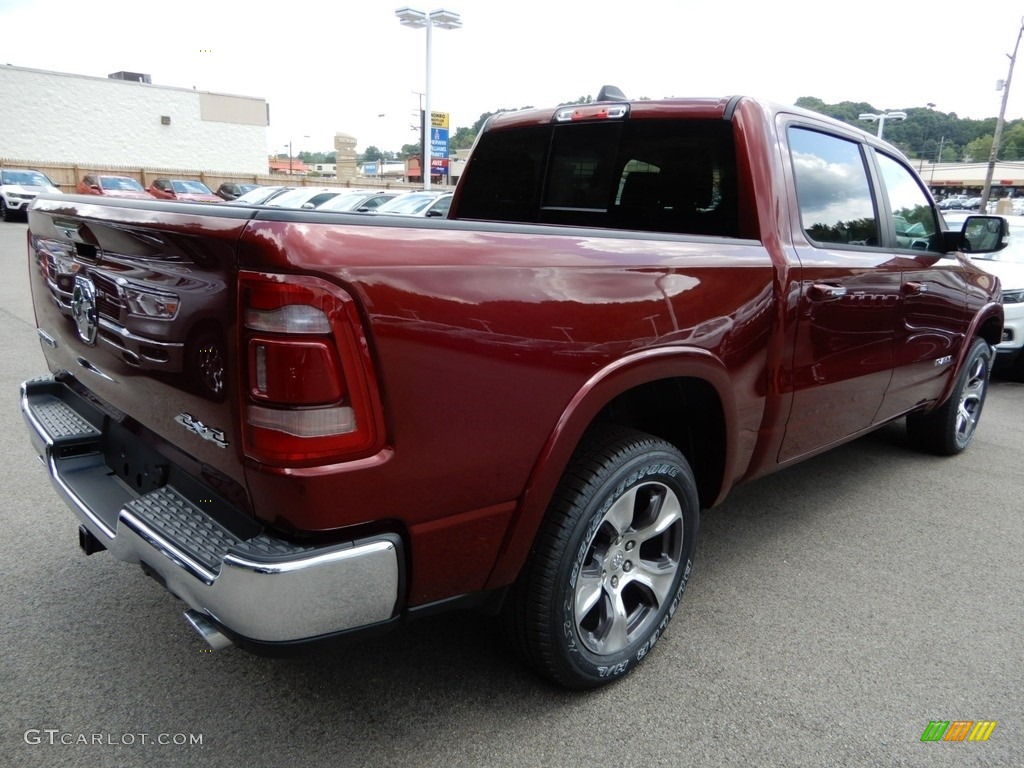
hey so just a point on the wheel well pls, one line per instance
(991, 331)
(685, 412)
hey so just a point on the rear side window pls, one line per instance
(832, 189)
(653, 175)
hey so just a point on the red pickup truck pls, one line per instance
(311, 425)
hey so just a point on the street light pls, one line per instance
(410, 17)
(880, 119)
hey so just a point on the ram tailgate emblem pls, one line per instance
(194, 425)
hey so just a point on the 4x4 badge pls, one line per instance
(194, 425)
(83, 309)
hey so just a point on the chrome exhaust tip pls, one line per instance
(207, 630)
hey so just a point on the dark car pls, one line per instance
(954, 203)
(231, 190)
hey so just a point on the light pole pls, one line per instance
(990, 172)
(880, 119)
(290, 155)
(410, 17)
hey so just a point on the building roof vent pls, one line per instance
(135, 77)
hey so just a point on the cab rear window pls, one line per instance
(654, 175)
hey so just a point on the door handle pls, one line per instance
(825, 292)
(914, 288)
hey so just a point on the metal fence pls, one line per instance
(67, 175)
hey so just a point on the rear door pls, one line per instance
(847, 295)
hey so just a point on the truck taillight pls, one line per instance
(310, 394)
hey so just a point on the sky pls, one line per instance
(351, 67)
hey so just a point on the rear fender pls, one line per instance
(617, 378)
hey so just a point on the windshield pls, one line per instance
(296, 197)
(189, 187)
(259, 195)
(346, 202)
(409, 204)
(25, 178)
(122, 183)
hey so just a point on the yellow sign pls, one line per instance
(438, 119)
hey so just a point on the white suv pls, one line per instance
(1008, 266)
(18, 188)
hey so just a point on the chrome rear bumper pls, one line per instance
(255, 586)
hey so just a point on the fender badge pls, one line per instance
(192, 424)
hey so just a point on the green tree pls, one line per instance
(979, 150)
(463, 138)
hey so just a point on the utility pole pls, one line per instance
(990, 172)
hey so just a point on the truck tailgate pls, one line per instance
(141, 315)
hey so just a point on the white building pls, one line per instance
(54, 117)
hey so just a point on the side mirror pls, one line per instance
(984, 234)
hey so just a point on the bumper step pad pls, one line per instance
(166, 512)
(61, 423)
(178, 520)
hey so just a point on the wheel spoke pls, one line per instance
(617, 635)
(668, 512)
(588, 593)
(657, 577)
(620, 514)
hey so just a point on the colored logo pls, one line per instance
(958, 730)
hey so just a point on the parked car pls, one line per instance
(231, 190)
(1008, 266)
(361, 201)
(952, 203)
(18, 188)
(260, 195)
(428, 203)
(305, 197)
(187, 190)
(112, 186)
(972, 203)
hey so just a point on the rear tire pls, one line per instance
(948, 429)
(610, 562)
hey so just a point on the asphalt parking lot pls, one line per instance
(835, 610)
